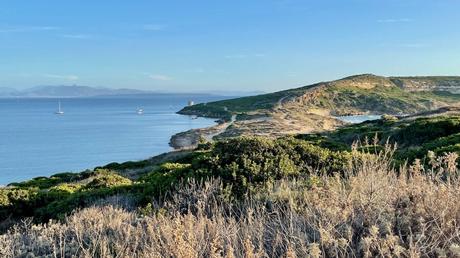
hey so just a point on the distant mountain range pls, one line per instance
(77, 91)
(67, 91)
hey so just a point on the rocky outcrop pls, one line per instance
(364, 81)
(449, 84)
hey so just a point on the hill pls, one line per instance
(314, 108)
(351, 95)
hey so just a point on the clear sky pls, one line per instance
(244, 45)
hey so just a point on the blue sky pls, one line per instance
(244, 45)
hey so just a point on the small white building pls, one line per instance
(191, 103)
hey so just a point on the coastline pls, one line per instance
(191, 138)
(274, 124)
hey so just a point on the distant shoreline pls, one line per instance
(113, 96)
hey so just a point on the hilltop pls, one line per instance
(314, 108)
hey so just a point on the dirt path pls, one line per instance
(280, 102)
(209, 137)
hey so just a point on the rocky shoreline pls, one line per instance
(191, 138)
(276, 124)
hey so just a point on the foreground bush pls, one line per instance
(372, 211)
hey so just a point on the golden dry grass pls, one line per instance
(374, 211)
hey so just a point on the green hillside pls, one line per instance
(355, 94)
(225, 108)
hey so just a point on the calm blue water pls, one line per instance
(358, 118)
(92, 132)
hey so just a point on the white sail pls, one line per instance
(59, 112)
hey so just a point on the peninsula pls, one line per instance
(315, 108)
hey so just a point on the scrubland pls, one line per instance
(370, 209)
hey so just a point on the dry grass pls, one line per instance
(373, 211)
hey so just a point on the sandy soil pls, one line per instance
(283, 120)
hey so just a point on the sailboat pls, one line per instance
(59, 111)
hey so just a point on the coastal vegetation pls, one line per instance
(415, 136)
(347, 192)
(371, 210)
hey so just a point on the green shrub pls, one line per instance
(125, 165)
(106, 179)
(4, 199)
(16, 202)
(66, 188)
(423, 130)
(389, 118)
(47, 182)
(248, 162)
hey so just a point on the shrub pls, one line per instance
(17, 202)
(389, 118)
(427, 129)
(125, 165)
(248, 162)
(47, 182)
(66, 188)
(106, 179)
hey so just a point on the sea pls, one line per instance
(34, 141)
